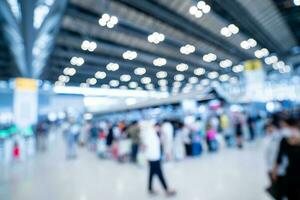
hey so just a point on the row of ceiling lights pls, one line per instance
(187, 49)
(111, 21)
(162, 82)
(230, 30)
(192, 82)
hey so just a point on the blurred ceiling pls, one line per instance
(213, 36)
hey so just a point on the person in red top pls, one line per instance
(16, 151)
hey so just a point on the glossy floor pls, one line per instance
(228, 175)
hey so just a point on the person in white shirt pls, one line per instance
(151, 143)
(167, 137)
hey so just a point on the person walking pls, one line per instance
(151, 143)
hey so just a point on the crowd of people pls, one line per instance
(153, 141)
(283, 155)
(179, 138)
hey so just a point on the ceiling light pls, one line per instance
(261, 53)
(100, 75)
(129, 55)
(114, 20)
(78, 61)
(133, 84)
(238, 68)
(205, 82)
(156, 38)
(193, 10)
(279, 65)
(108, 21)
(179, 77)
(161, 74)
(149, 87)
(225, 63)
(63, 78)
(159, 62)
(252, 42)
(200, 9)
(201, 4)
(287, 69)
(125, 77)
(199, 71)
(210, 57)
(88, 46)
(112, 66)
(69, 71)
(226, 32)
(247, 44)
(213, 75)
(186, 89)
(206, 9)
(193, 80)
(114, 83)
(146, 80)
(140, 71)
(187, 49)
(271, 60)
(182, 67)
(231, 29)
(297, 2)
(163, 82)
(91, 81)
(176, 84)
(224, 77)
(198, 14)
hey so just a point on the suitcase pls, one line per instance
(196, 149)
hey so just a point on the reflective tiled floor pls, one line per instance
(228, 175)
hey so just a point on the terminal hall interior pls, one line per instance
(150, 99)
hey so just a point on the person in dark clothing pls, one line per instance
(290, 147)
(134, 133)
(94, 132)
(155, 169)
(110, 137)
(239, 134)
(251, 122)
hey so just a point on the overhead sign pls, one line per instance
(255, 80)
(252, 65)
(25, 102)
(25, 84)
